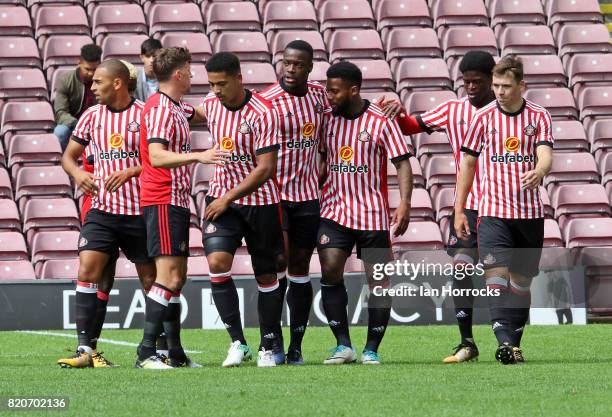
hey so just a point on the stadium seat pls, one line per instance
(428, 145)
(552, 234)
(242, 265)
(294, 15)
(349, 44)
(444, 203)
(337, 14)
(19, 51)
(257, 76)
(195, 242)
(589, 70)
(23, 83)
(197, 266)
(549, 211)
(416, 73)
(440, 170)
(421, 207)
(6, 189)
(15, 21)
(374, 97)
(57, 74)
(198, 44)
(42, 181)
(525, 40)
(175, 17)
(580, 39)
(457, 41)
(194, 219)
(278, 42)
(417, 174)
(47, 245)
(12, 247)
(34, 149)
(588, 232)
(595, 103)
(376, 75)
(600, 136)
(122, 46)
(572, 167)
(125, 18)
(59, 269)
(422, 101)
(9, 216)
(199, 79)
(392, 14)
(200, 177)
(319, 71)
(543, 71)
(125, 268)
(562, 12)
(570, 136)
(605, 168)
(45, 213)
(16, 270)
(458, 13)
(558, 101)
(419, 236)
(201, 141)
(59, 20)
(248, 46)
(28, 115)
(62, 50)
(238, 15)
(521, 12)
(596, 260)
(407, 42)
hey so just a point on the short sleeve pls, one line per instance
(82, 131)
(266, 130)
(435, 119)
(474, 138)
(160, 128)
(188, 110)
(544, 133)
(393, 142)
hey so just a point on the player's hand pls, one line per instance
(462, 226)
(401, 219)
(391, 107)
(214, 156)
(116, 180)
(530, 180)
(86, 182)
(216, 208)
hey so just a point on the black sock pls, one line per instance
(85, 306)
(162, 342)
(269, 309)
(520, 302)
(464, 308)
(379, 311)
(299, 299)
(335, 301)
(282, 287)
(98, 319)
(172, 327)
(225, 296)
(498, 310)
(156, 306)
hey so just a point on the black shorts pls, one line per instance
(334, 235)
(106, 232)
(513, 243)
(260, 226)
(454, 242)
(301, 222)
(167, 230)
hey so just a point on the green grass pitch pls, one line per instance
(568, 373)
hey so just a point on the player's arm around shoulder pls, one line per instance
(161, 157)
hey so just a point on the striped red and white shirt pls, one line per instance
(454, 117)
(167, 122)
(507, 146)
(300, 124)
(112, 137)
(247, 131)
(355, 190)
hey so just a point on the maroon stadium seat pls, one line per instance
(595, 102)
(278, 42)
(572, 167)
(19, 51)
(56, 213)
(185, 17)
(417, 174)
(600, 135)
(374, 96)
(197, 266)
(457, 41)
(242, 265)
(9, 216)
(42, 181)
(420, 236)
(562, 12)
(552, 234)
(125, 268)
(421, 207)
(392, 14)
(59, 269)
(19, 83)
(440, 170)
(201, 141)
(201, 176)
(319, 70)
(336, 14)
(589, 70)
(60, 20)
(57, 74)
(549, 211)
(436, 143)
(376, 75)
(12, 247)
(543, 71)
(28, 115)
(35, 148)
(47, 245)
(409, 42)
(584, 38)
(248, 46)
(458, 12)
(521, 12)
(605, 167)
(415, 73)
(294, 15)
(194, 219)
(15, 21)
(558, 101)
(570, 136)
(195, 242)
(527, 40)
(122, 46)
(6, 189)
(423, 101)
(63, 50)
(10, 270)
(257, 75)
(588, 232)
(126, 18)
(444, 203)
(236, 15)
(581, 199)
(198, 44)
(199, 79)
(349, 44)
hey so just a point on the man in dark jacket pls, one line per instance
(73, 93)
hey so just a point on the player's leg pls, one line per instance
(334, 246)
(464, 252)
(302, 239)
(264, 239)
(221, 239)
(104, 288)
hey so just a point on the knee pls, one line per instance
(265, 279)
(217, 264)
(331, 273)
(281, 263)
(89, 273)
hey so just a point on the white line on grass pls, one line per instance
(103, 340)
